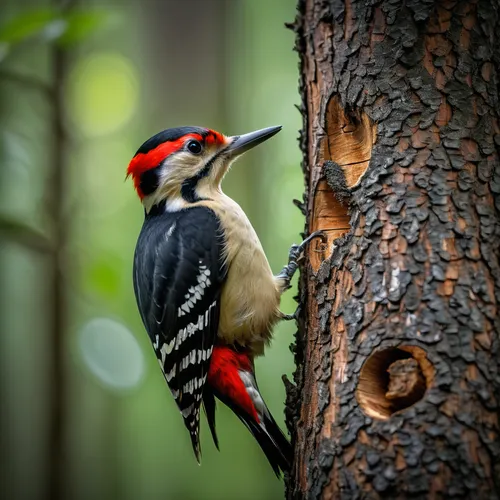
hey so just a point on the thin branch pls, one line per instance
(28, 81)
(25, 235)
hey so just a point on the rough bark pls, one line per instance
(397, 381)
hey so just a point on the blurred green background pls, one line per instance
(131, 69)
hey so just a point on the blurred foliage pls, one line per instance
(102, 93)
(226, 64)
(26, 25)
(51, 24)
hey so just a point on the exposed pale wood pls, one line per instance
(331, 217)
(349, 141)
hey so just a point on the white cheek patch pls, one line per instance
(174, 170)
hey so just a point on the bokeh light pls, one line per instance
(102, 93)
(111, 353)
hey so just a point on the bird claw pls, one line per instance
(295, 255)
(317, 234)
(296, 252)
(290, 317)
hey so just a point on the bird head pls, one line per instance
(187, 164)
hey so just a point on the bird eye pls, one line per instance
(194, 147)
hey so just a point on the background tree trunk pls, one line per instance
(397, 385)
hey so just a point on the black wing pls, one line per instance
(178, 274)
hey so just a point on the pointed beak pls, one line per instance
(242, 143)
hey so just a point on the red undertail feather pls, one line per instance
(224, 376)
(231, 378)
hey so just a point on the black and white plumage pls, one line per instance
(178, 274)
(204, 287)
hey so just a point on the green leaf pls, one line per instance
(65, 27)
(81, 24)
(26, 25)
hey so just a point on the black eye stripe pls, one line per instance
(150, 180)
(188, 188)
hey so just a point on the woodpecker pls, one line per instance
(204, 288)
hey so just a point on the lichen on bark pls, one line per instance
(403, 97)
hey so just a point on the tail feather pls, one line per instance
(281, 443)
(231, 379)
(267, 433)
(193, 426)
(195, 441)
(209, 405)
(273, 442)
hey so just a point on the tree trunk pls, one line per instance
(398, 380)
(57, 314)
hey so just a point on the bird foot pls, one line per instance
(295, 255)
(290, 317)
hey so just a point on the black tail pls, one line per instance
(192, 423)
(272, 441)
(209, 405)
(266, 432)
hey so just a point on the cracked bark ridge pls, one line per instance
(410, 92)
(337, 182)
